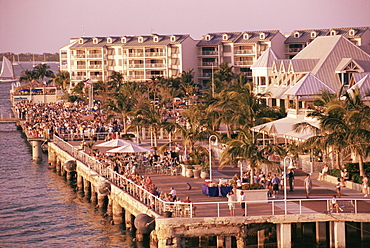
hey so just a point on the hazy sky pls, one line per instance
(39, 26)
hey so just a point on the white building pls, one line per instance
(138, 58)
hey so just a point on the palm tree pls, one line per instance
(28, 76)
(116, 80)
(245, 148)
(43, 70)
(62, 79)
(103, 90)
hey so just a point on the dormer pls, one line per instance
(225, 37)
(333, 32)
(207, 37)
(246, 36)
(297, 34)
(313, 34)
(140, 39)
(155, 38)
(172, 38)
(123, 40)
(262, 36)
(80, 41)
(109, 40)
(352, 32)
(95, 40)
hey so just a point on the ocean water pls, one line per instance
(38, 208)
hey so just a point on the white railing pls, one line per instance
(209, 209)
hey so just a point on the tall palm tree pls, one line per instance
(116, 80)
(43, 70)
(28, 76)
(62, 79)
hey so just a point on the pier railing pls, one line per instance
(212, 209)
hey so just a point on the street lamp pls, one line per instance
(291, 166)
(210, 154)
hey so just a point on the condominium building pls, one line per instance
(238, 49)
(299, 39)
(138, 58)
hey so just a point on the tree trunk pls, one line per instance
(361, 165)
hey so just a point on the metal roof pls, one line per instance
(302, 65)
(254, 36)
(267, 59)
(304, 36)
(309, 85)
(217, 38)
(363, 86)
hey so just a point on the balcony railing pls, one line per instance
(207, 75)
(155, 65)
(99, 67)
(295, 50)
(135, 54)
(155, 54)
(97, 55)
(244, 51)
(208, 64)
(208, 53)
(245, 63)
(136, 65)
(81, 67)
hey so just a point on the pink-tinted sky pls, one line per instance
(39, 26)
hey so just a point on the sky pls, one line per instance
(39, 26)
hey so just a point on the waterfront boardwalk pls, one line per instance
(322, 192)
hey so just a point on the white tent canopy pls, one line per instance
(130, 148)
(117, 143)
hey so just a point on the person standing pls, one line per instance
(291, 180)
(275, 185)
(365, 185)
(242, 202)
(231, 202)
(173, 193)
(308, 185)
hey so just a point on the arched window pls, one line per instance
(262, 36)
(352, 32)
(140, 39)
(95, 40)
(173, 38)
(208, 37)
(313, 34)
(109, 40)
(123, 40)
(225, 37)
(297, 34)
(155, 38)
(245, 36)
(81, 41)
(333, 32)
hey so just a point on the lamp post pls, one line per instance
(290, 167)
(210, 153)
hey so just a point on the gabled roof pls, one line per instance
(309, 85)
(305, 35)
(266, 60)
(254, 36)
(217, 38)
(302, 65)
(148, 40)
(363, 86)
(329, 51)
(347, 32)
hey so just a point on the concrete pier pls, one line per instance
(36, 150)
(126, 202)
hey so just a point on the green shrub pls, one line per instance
(334, 172)
(356, 178)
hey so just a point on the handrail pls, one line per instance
(179, 209)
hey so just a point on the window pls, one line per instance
(109, 40)
(140, 39)
(95, 40)
(296, 35)
(155, 38)
(262, 36)
(208, 37)
(245, 36)
(333, 32)
(225, 37)
(352, 32)
(80, 41)
(313, 34)
(123, 40)
(173, 38)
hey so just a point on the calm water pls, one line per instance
(38, 208)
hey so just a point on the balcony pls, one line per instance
(96, 77)
(96, 67)
(79, 56)
(95, 55)
(208, 53)
(155, 54)
(243, 63)
(244, 51)
(155, 65)
(81, 67)
(134, 54)
(208, 64)
(294, 50)
(136, 65)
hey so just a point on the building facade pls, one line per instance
(138, 58)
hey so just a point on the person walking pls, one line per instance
(337, 187)
(365, 185)
(308, 185)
